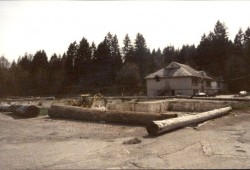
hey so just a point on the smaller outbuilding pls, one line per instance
(178, 79)
(218, 85)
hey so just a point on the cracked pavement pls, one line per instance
(44, 143)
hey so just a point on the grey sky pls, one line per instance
(28, 26)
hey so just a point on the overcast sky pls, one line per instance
(28, 26)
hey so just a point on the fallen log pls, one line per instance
(158, 127)
(23, 110)
(27, 110)
(13, 108)
(5, 108)
(73, 112)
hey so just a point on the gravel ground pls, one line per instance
(44, 143)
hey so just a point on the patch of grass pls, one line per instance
(43, 111)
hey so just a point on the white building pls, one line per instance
(178, 79)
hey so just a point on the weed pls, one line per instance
(43, 111)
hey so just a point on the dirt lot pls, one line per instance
(44, 143)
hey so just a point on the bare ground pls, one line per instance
(44, 143)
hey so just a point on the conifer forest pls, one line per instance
(113, 69)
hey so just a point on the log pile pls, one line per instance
(87, 114)
(162, 126)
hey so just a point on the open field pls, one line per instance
(45, 143)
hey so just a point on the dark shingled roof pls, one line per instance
(175, 69)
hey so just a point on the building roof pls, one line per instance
(175, 69)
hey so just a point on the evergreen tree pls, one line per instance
(39, 68)
(158, 59)
(213, 51)
(116, 57)
(115, 50)
(102, 55)
(22, 75)
(204, 52)
(83, 58)
(238, 42)
(246, 45)
(128, 50)
(102, 61)
(25, 62)
(56, 74)
(69, 63)
(40, 60)
(128, 78)
(5, 85)
(93, 50)
(235, 71)
(169, 54)
(246, 54)
(221, 48)
(142, 56)
(187, 55)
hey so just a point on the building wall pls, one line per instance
(218, 86)
(202, 86)
(177, 86)
(154, 86)
(181, 86)
(215, 86)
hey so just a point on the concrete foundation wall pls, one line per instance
(156, 106)
(149, 106)
(196, 105)
(163, 106)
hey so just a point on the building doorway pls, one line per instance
(172, 92)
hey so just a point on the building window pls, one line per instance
(195, 82)
(172, 92)
(157, 78)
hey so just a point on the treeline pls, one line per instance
(113, 70)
